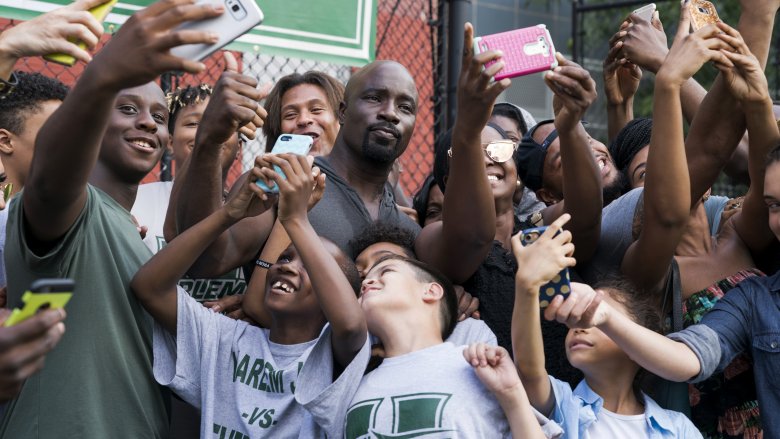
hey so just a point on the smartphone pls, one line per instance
(100, 12)
(526, 51)
(43, 294)
(287, 143)
(646, 11)
(240, 17)
(702, 14)
(560, 284)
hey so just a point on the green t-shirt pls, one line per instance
(98, 382)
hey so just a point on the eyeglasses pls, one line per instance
(498, 150)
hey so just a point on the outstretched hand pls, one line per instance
(690, 51)
(574, 90)
(543, 259)
(745, 79)
(54, 32)
(234, 106)
(583, 308)
(642, 43)
(250, 200)
(140, 50)
(476, 91)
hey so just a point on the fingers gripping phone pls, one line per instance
(100, 12)
(287, 143)
(560, 284)
(526, 51)
(646, 12)
(43, 294)
(240, 17)
(702, 14)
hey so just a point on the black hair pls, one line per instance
(183, 97)
(629, 141)
(332, 87)
(448, 309)
(26, 98)
(513, 112)
(420, 200)
(382, 232)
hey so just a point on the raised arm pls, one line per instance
(644, 43)
(749, 86)
(537, 264)
(334, 292)
(52, 32)
(575, 90)
(155, 282)
(584, 308)
(460, 243)
(621, 81)
(67, 146)
(666, 194)
(719, 124)
(199, 191)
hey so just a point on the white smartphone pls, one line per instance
(240, 17)
(646, 11)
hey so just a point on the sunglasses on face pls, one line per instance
(498, 150)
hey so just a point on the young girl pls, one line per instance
(606, 404)
(745, 320)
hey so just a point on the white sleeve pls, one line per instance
(325, 399)
(181, 360)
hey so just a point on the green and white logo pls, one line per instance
(417, 415)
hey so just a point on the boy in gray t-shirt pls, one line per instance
(423, 386)
(243, 378)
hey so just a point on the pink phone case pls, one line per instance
(526, 51)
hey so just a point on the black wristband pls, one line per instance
(264, 264)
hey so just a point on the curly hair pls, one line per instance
(382, 232)
(33, 90)
(184, 97)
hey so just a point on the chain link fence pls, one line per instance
(406, 32)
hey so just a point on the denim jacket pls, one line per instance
(576, 410)
(746, 319)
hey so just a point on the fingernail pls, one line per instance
(217, 308)
(499, 53)
(219, 8)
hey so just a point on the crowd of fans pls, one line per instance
(341, 307)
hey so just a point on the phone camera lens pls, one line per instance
(286, 138)
(236, 8)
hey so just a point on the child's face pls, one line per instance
(186, 127)
(772, 196)
(389, 287)
(590, 349)
(288, 287)
(137, 132)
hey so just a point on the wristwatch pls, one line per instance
(7, 87)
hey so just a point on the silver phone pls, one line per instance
(240, 17)
(646, 11)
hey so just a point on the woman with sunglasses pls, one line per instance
(472, 243)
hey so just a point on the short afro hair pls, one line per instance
(26, 99)
(382, 232)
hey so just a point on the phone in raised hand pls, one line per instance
(526, 51)
(240, 17)
(560, 284)
(100, 12)
(287, 143)
(702, 14)
(646, 12)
